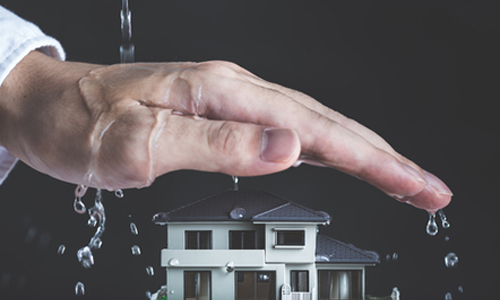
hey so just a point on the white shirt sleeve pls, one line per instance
(17, 38)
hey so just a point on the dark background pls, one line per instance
(424, 75)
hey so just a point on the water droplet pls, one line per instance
(394, 256)
(446, 238)
(388, 257)
(79, 206)
(97, 243)
(80, 191)
(79, 289)
(133, 229)
(135, 250)
(61, 249)
(92, 222)
(444, 221)
(85, 257)
(235, 182)
(119, 193)
(160, 218)
(432, 228)
(460, 289)
(150, 271)
(448, 296)
(451, 260)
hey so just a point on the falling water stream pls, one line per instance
(451, 259)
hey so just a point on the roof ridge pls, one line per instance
(272, 209)
(316, 212)
(196, 202)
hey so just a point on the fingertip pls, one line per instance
(435, 195)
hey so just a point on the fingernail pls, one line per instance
(415, 173)
(437, 184)
(278, 145)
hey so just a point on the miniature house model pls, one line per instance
(256, 246)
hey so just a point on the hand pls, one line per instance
(122, 126)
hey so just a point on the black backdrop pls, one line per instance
(422, 74)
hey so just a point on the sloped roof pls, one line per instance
(329, 250)
(251, 206)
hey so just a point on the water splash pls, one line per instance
(432, 228)
(80, 191)
(61, 249)
(451, 260)
(150, 271)
(136, 250)
(97, 217)
(133, 229)
(444, 220)
(395, 256)
(235, 182)
(85, 257)
(78, 205)
(79, 289)
(148, 294)
(97, 244)
(92, 222)
(119, 193)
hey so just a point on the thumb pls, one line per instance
(234, 148)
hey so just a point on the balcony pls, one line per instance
(212, 258)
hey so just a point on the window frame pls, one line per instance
(295, 281)
(198, 274)
(199, 241)
(278, 240)
(256, 240)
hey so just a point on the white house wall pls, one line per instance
(223, 282)
(220, 232)
(290, 254)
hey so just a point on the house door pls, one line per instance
(252, 285)
(197, 285)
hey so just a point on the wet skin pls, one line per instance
(121, 126)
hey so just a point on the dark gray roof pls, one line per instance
(330, 250)
(250, 205)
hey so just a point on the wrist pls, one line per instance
(33, 90)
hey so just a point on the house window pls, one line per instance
(339, 285)
(251, 285)
(299, 281)
(198, 239)
(243, 239)
(197, 285)
(290, 237)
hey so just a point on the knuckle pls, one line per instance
(226, 138)
(219, 67)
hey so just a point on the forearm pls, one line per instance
(41, 95)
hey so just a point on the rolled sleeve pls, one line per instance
(19, 37)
